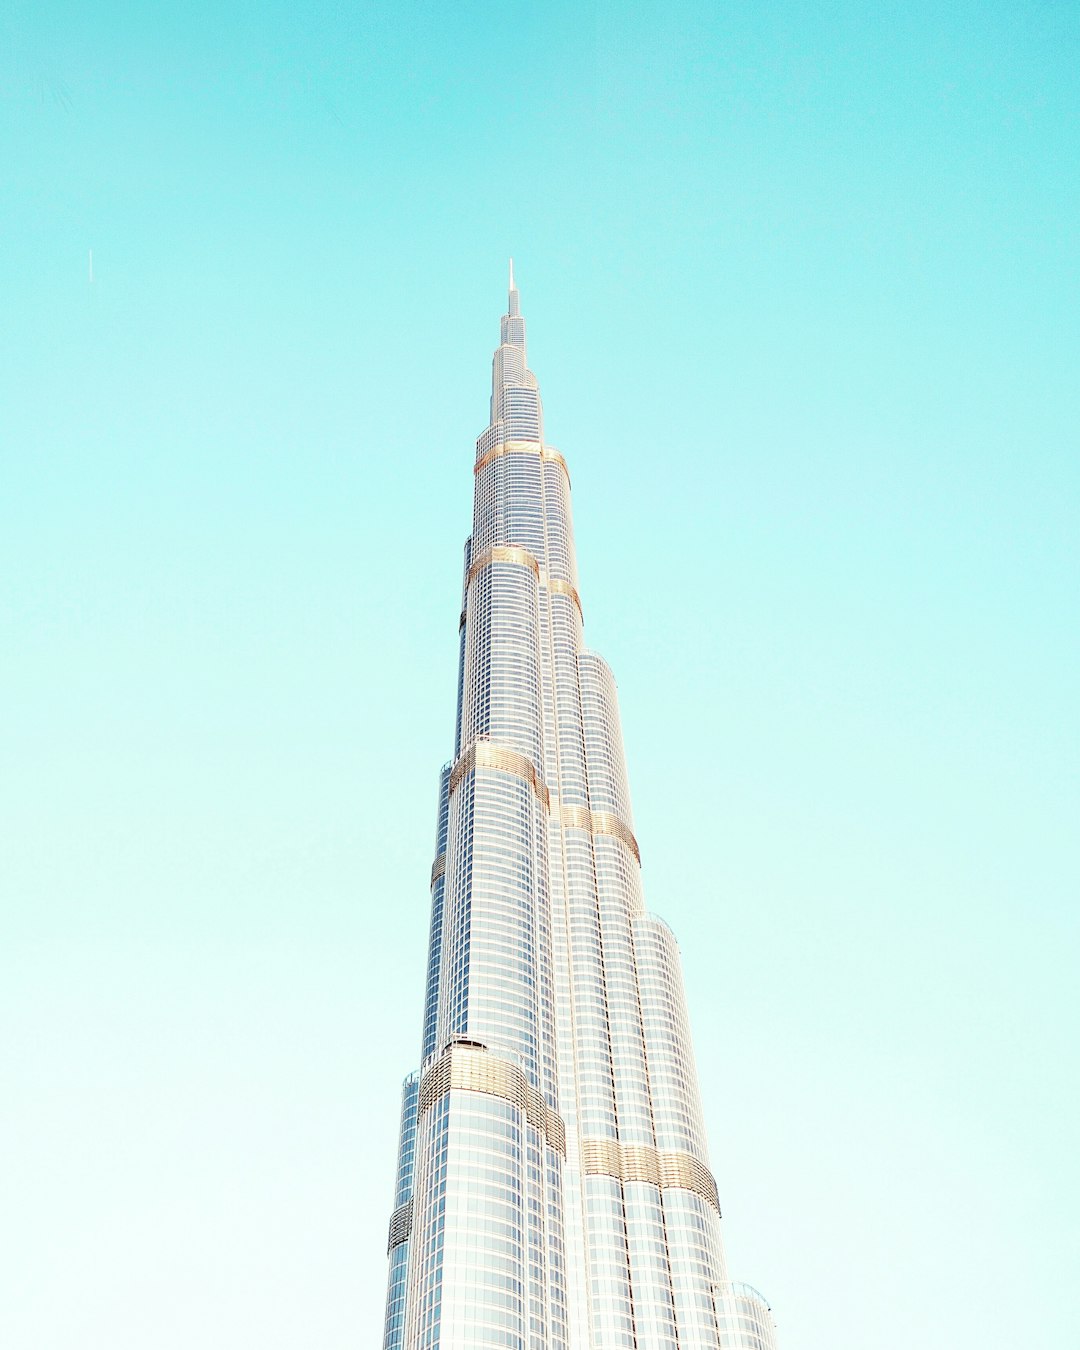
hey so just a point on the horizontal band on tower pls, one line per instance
(502, 553)
(438, 867)
(558, 587)
(642, 1162)
(513, 553)
(596, 822)
(488, 755)
(521, 448)
(472, 1068)
(400, 1226)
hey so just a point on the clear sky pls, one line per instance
(802, 286)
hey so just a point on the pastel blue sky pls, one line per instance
(801, 284)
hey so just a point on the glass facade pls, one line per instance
(553, 1187)
(744, 1319)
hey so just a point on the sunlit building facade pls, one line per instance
(553, 1187)
(744, 1318)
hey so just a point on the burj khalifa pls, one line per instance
(553, 1186)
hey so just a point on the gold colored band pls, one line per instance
(488, 755)
(550, 456)
(513, 553)
(545, 452)
(400, 1226)
(641, 1162)
(564, 588)
(438, 867)
(472, 1068)
(598, 822)
(500, 553)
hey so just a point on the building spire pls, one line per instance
(516, 413)
(514, 307)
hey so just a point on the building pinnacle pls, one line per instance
(514, 306)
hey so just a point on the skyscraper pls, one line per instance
(553, 1186)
